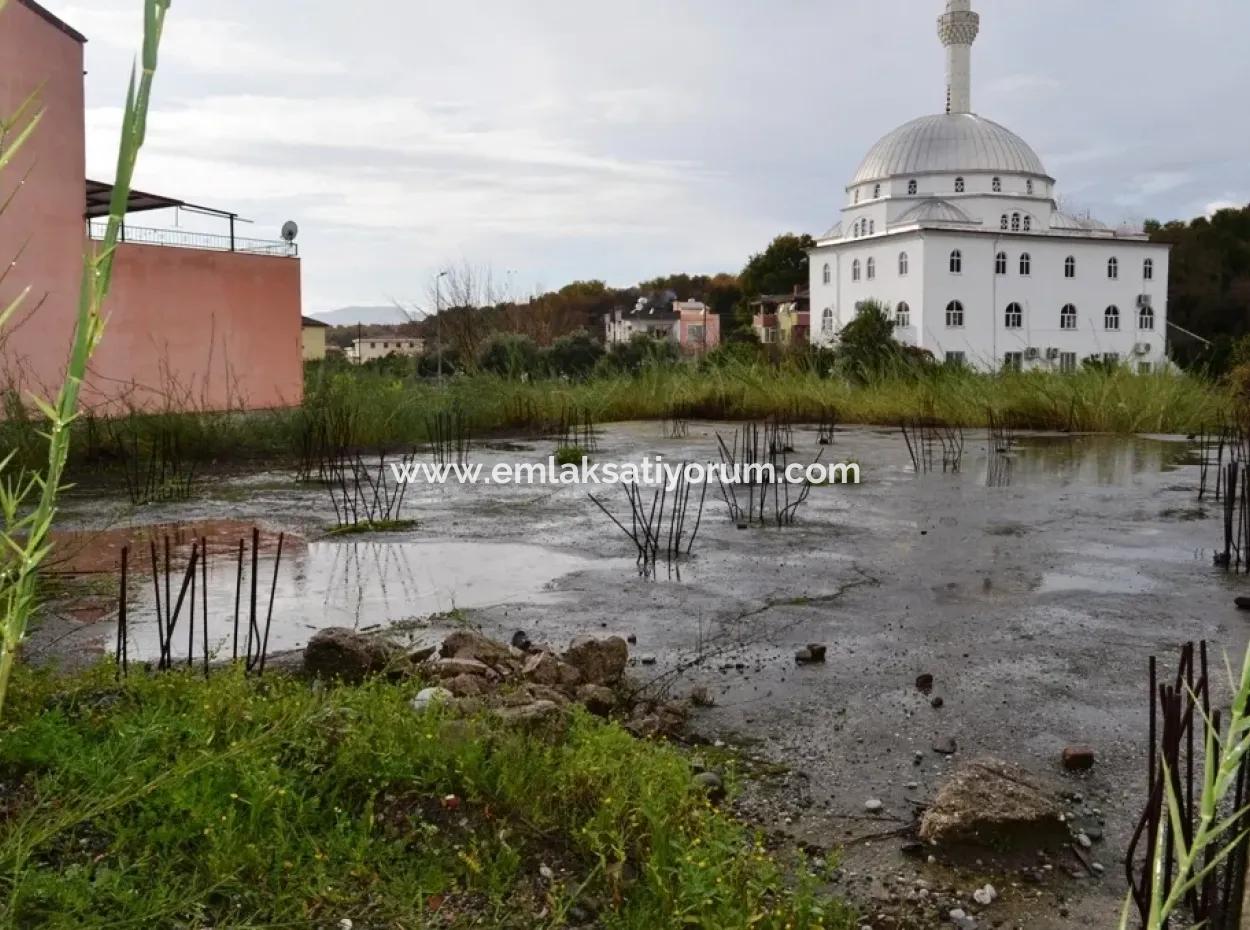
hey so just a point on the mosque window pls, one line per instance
(855, 270)
(1111, 319)
(1113, 268)
(959, 185)
(902, 264)
(872, 268)
(1067, 317)
(1000, 263)
(1148, 269)
(954, 314)
(957, 262)
(998, 185)
(1014, 317)
(1069, 267)
(911, 187)
(828, 275)
(1026, 264)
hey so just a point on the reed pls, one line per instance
(28, 498)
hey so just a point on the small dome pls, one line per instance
(933, 210)
(948, 143)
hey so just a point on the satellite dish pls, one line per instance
(290, 230)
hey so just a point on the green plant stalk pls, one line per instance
(25, 538)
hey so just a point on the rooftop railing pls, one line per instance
(185, 239)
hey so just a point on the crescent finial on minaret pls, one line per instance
(958, 28)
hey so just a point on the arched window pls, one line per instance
(872, 268)
(902, 264)
(855, 270)
(902, 314)
(954, 314)
(1069, 267)
(957, 262)
(1111, 319)
(828, 274)
(997, 185)
(1028, 188)
(876, 191)
(872, 227)
(1014, 317)
(1026, 264)
(959, 185)
(1113, 268)
(826, 320)
(857, 195)
(1015, 222)
(1148, 269)
(1002, 223)
(1067, 317)
(911, 187)
(1146, 318)
(1028, 222)
(1000, 263)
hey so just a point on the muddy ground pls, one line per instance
(1033, 587)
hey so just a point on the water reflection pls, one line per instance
(1083, 459)
(364, 585)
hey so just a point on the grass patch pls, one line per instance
(376, 410)
(374, 526)
(570, 455)
(170, 801)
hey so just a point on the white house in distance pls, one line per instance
(951, 223)
(367, 348)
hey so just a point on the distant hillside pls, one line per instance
(366, 316)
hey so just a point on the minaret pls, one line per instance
(957, 28)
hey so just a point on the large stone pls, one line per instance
(450, 668)
(543, 668)
(337, 652)
(466, 685)
(534, 712)
(601, 661)
(466, 644)
(598, 699)
(989, 802)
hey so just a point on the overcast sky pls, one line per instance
(563, 139)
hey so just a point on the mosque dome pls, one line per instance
(948, 143)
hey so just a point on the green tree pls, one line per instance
(511, 355)
(779, 269)
(574, 355)
(866, 346)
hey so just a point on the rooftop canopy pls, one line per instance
(100, 196)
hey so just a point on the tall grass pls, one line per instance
(28, 498)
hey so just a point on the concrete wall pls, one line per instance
(43, 222)
(313, 342)
(192, 329)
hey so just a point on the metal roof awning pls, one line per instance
(100, 196)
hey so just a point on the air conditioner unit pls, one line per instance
(1052, 353)
(1032, 353)
(1141, 348)
(1143, 301)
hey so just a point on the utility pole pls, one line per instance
(438, 316)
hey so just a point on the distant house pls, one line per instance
(313, 338)
(368, 348)
(782, 319)
(689, 323)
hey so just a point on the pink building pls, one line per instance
(195, 321)
(690, 324)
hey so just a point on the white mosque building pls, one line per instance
(952, 224)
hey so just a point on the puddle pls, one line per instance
(357, 585)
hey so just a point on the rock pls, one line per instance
(521, 640)
(873, 806)
(712, 784)
(534, 712)
(416, 657)
(937, 702)
(600, 661)
(337, 652)
(924, 682)
(647, 660)
(989, 802)
(810, 655)
(467, 644)
(546, 872)
(985, 896)
(541, 693)
(598, 699)
(946, 747)
(632, 639)
(545, 669)
(427, 697)
(1243, 603)
(1078, 758)
(451, 668)
(656, 720)
(466, 685)
(1084, 841)
(701, 697)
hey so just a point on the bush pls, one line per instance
(511, 355)
(574, 356)
(641, 352)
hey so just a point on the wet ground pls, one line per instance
(1033, 586)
